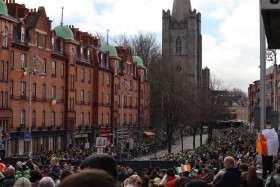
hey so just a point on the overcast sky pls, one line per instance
(230, 28)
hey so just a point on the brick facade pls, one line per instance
(87, 82)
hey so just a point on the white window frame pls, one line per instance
(82, 118)
(23, 60)
(53, 92)
(54, 68)
(5, 36)
(22, 117)
(22, 35)
(52, 118)
(23, 88)
(36, 38)
(82, 95)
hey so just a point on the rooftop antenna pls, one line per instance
(107, 36)
(62, 17)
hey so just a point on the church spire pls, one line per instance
(181, 9)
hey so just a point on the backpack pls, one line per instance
(272, 182)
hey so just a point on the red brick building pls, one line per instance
(86, 80)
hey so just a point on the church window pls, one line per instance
(178, 45)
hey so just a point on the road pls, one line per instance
(188, 144)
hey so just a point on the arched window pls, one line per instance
(22, 117)
(179, 45)
(82, 118)
(5, 37)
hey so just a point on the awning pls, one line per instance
(149, 133)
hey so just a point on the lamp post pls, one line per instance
(125, 87)
(33, 66)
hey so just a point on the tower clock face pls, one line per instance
(179, 68)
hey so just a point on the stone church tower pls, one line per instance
(182, 41)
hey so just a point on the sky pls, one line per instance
(230, 29)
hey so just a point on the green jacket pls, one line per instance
(276, 177)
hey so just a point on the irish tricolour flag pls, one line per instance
(183, 168)
(268, 143)
(54, 101)
(24, 72)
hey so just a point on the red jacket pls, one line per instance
(171, 182)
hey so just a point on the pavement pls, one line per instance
(188, 144)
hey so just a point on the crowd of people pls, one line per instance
(229, 160)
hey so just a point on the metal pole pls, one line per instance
(262, 72)
(182, 140)
(270, 84)
(30, 116)
(275, 86)
(122, 115)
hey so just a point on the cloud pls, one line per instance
(231, 51)
(235, 58)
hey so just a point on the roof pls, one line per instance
(112, 50)
(3, 8)
(64, 32)
(138, 60)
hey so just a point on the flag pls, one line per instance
(268, 143)
(54, 101)
(183, 168)
(24, 72)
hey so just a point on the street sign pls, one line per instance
(26, 136)
(101, 142)
(86, 145)
(270, 4)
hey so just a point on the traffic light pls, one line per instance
(127, 143)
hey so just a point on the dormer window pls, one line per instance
(88, 55)
(102, 60)
(81, 51)
(36, 38)
(22, 34)
(52, 43)
(5, 37)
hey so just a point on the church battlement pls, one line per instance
(165, 14)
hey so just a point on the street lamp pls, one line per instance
(33, 66)
(125, 87)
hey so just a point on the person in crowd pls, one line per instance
(65, 173)
(209, 177)
(22, 182)
(35, 177)
(101, 161)
(231, 178)
(145, 181)
(89, 178)
(218, 177)
(203, 173)
(196, 183)
(243, 168)
(133, 181)
(54, 168)
(46, 182)
(10, 177)
(171, 178)
(252, 178)
(276, 176)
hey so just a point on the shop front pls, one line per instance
(108, 133)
